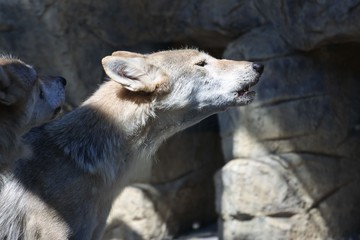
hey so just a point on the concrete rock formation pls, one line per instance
(305, 122)
(180, 194)
(292, 156)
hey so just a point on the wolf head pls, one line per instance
(187, 82)
(26, 97)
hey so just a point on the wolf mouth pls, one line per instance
(246, 89)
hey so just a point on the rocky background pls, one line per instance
(285, 167)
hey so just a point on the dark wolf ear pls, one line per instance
(5, 98)
(133, 72)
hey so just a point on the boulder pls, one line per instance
(259, 199)
(306, 117)
(135, 216)
(307, 25)
(180, 193)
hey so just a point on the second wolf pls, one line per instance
(26, 101)
(82, 160)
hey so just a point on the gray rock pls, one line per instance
(307, 25)
(251, 47)
(135, 216)
(160, 211)
(306, 113)
(181, 193)
(261, 199)
(54, 37)
(69, 38)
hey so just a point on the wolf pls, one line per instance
(84, 158)
(26, 101)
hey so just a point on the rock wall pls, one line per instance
(180, 193)
(296, 150)
(295, 173)
(70, 37)
(292, 155)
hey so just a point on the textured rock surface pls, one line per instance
(259, 199)
(306, 114)
(159, 211)
(69, 38)
(135, 216)
(181, 194)
(309, 24)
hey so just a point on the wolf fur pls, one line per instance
(25, 101)
(83, 159)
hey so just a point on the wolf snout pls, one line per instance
(259, 68)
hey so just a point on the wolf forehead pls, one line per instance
(179, 55)
(175, 56)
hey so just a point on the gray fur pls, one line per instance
(82, 160)
(22, 107)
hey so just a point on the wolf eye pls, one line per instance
(201, 63)
(41, 94)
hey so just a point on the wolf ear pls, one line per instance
(126, 54)
(5, 98)
(133, 72)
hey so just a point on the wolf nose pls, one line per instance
(258, 67)
(62, 81)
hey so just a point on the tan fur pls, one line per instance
(21, 107)
(82, 160)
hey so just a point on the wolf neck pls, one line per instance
(10, 142)
(108, 136)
